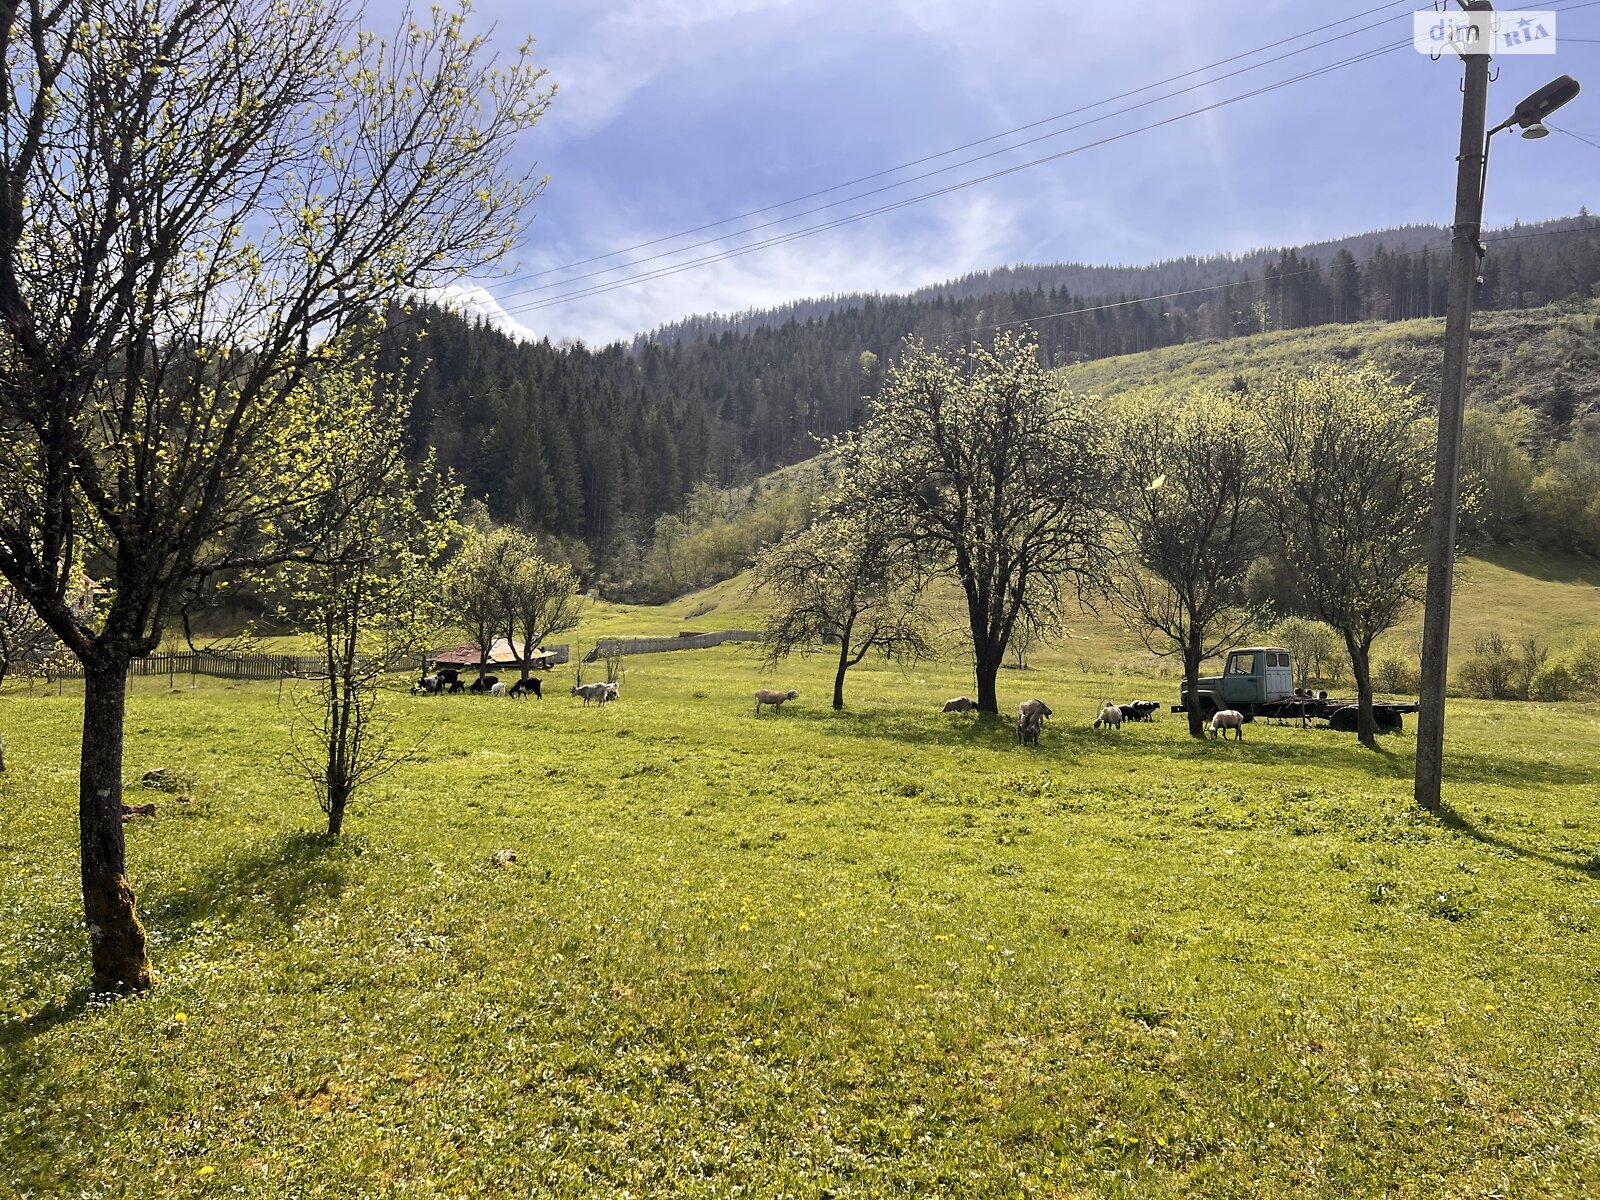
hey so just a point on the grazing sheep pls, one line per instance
(776, 699)
(1110, 717)
(959, 704)
(596, 692)
(523, 687)
(1228, 718)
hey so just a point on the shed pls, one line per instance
(502, 653)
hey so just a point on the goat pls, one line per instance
(484, 683)
(960, 704)
(1035, 708)
(1140, 710)
(1110, 716)
(456, 686)
(1228, 718)
(1030, 719)
(596, 692)
(523, 687)
(428, 685)
(610, 691)
(497, 689)
(776, 699)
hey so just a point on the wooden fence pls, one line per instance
(201, 662)
(658, 645)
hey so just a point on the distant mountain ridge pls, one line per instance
(1105, 281)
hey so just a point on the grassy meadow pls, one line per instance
(879, 952)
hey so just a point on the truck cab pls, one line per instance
(1251, 677)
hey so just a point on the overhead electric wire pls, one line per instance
(821, 227)
(948, 167)
(917, 162)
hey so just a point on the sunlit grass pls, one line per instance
(880, 951)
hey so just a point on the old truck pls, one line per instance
(1258, 681)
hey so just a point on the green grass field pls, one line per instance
(879, 952)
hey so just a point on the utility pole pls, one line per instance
(1465, 258)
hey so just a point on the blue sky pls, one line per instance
(674, 113)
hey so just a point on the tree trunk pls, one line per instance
(116, 936)
(1191, 676)
(986, 666)
(838, 677)
(1360, 667)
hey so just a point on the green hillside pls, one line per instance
(1519, 357)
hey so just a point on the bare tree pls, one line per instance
(1193, 522)
(846, 579)
(1354, 452)
(24, 639)
(200, 202)
(989, 469)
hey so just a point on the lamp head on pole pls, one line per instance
(1530, 114)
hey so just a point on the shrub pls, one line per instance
(1498, 670)
(1396, 675)
(1553, 681)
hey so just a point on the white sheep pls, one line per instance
(960, 704)
(776, 699)
(1228, 718)
(1110, 717)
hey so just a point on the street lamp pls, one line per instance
(1466, 251)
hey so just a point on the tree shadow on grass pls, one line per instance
(270, 885)
(1068, 737)
(267, 887)
(1586, 865)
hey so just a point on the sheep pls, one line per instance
(596, 692)
(497, 689)
(776, 699)
(523, 687)
(1228, 718)
(960, 704)
(1140, 710)
(1110, 716)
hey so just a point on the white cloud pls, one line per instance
(973, 234)
(473, 301)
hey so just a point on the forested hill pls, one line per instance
(595, 445)
(1184, 274)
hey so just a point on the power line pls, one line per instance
(1570, 134)
(889, 187)
(807, 231)
(756, 212)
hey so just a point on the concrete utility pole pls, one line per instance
(1465, 254)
